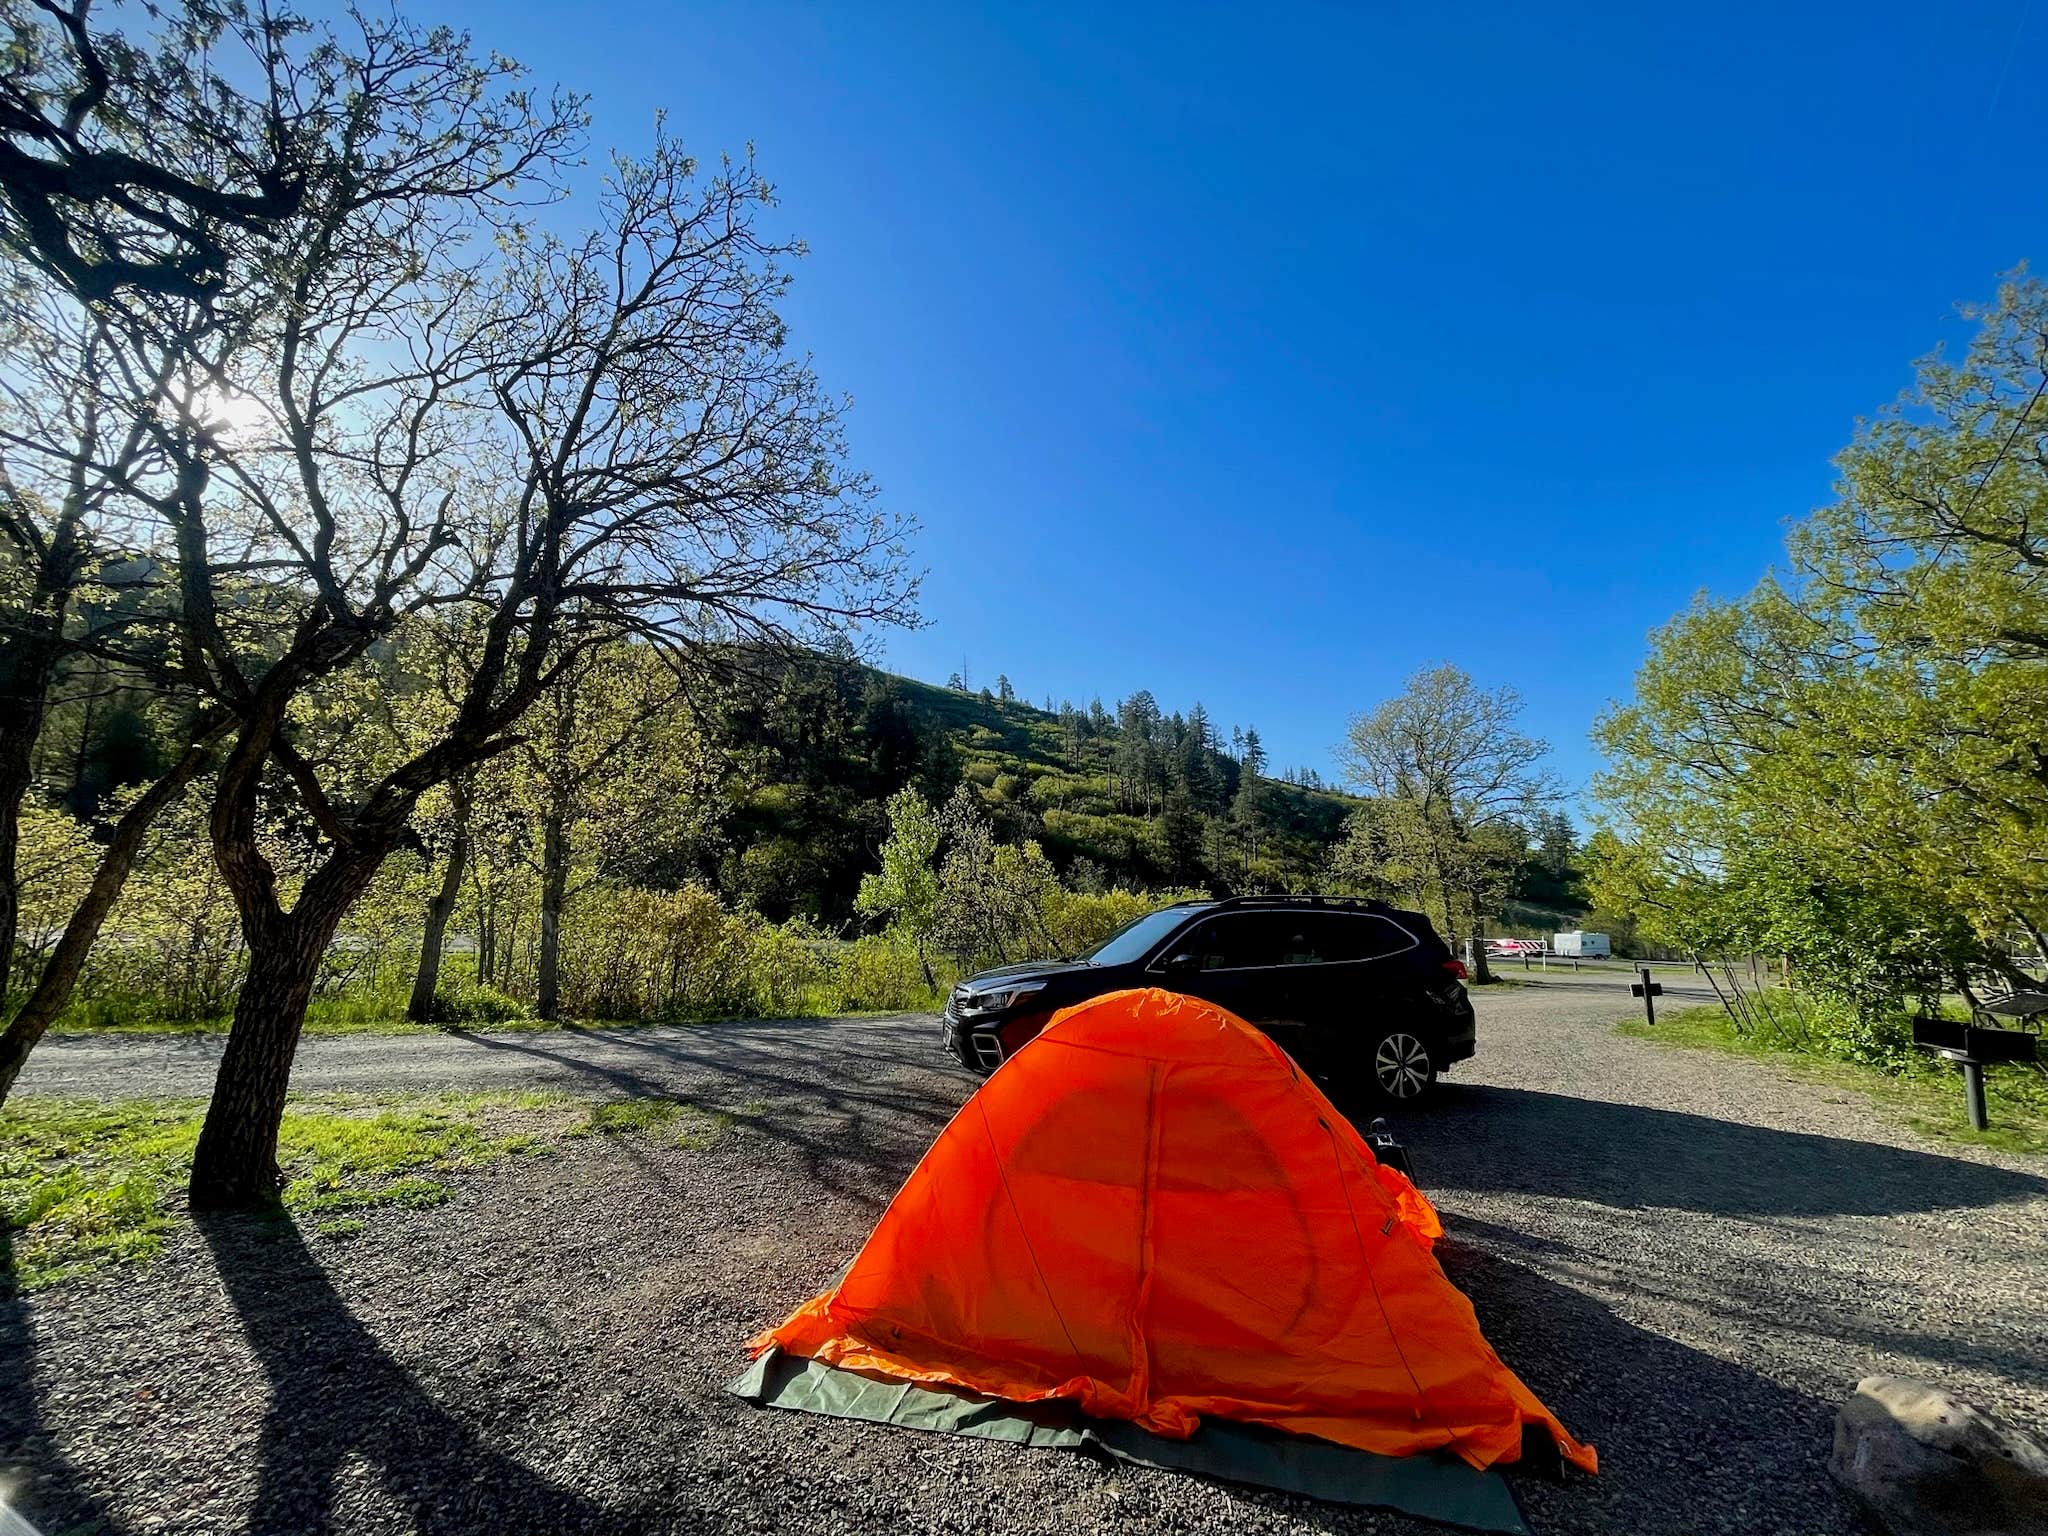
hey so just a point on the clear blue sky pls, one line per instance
(1262, 358)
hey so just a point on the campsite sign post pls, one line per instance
(1649, 991)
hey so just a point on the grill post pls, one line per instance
(1973, 1093)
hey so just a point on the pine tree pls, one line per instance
(1180, 836)
(1198, 762)
(1248, 814)
(1137, 750)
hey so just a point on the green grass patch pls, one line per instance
(87, 1184)
(684, 1124)
(1926, 1093)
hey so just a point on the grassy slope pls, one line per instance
(1929, 1096)
(1019, 747)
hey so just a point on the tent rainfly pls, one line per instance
(1151, 1213)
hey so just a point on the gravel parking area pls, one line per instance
(1690, 1257)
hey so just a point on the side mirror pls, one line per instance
(1183, 965)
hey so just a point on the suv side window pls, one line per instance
(1233, 942)
(1304, 938)
(1359, 936)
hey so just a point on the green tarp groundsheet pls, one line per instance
(1436, 1487)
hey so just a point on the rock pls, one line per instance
(1924, 1463)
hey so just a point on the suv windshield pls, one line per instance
(1131, 941)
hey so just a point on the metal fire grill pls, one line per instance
(1974, 1046)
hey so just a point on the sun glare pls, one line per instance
(229, 412)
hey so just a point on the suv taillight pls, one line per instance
(1456, 968)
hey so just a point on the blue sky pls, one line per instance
(1263, 362)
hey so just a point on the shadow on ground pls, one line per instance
(34, 1475)
(337, 1398)
(1687, 1441)
(1627, 1156)
(856, 1122)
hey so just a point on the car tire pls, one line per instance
(1399, 1066)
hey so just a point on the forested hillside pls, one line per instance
(1131, 798)
(664, 844)
(656, 844)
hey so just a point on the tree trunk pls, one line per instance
(554, 885)
(508, 954)
(439, 910)
(235, 1163)
(486, 946)
(22, 686)
(61, 971)
(13, 790)
(28, 667)
(1481, 971)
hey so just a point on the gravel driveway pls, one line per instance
(1690, 1257)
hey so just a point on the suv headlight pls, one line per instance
(1001, 999)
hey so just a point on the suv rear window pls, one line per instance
(1358, 936)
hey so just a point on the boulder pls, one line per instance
(1924, 1463)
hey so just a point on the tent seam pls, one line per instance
(1003, 1173)
(1366, 1263)
(1141, 1356)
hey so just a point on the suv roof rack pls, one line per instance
(1337, 903)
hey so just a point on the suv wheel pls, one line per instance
(1401, 1066)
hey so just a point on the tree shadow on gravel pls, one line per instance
(337, 1397)
(1515, 1141)
(1687, 1441)
(34, 1475)
(883, 1130)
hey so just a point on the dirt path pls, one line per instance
(1690, 1257)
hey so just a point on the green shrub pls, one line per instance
(879, 973)
(1077, 921)
(1873, 1039)
(1115, 842)
(462, 1001)
(629, 953)
(1058, 791)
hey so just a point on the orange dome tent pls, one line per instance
(1150, 1211)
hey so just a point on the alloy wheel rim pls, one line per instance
(1402, 1065)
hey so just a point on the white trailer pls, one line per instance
(1579, 945)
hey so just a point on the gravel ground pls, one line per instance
(1690, 1257)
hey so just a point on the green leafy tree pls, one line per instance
(1459, 778)
(905, 890)
(992, 896)
(613, 774)
(1848, 762)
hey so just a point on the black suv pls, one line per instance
(1361, 994)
